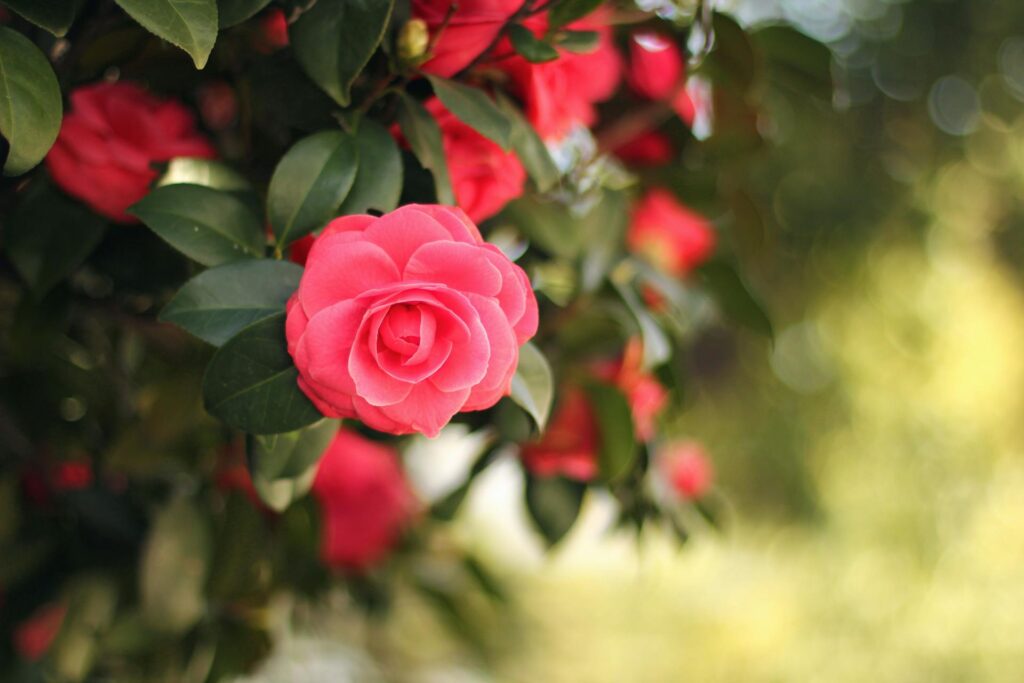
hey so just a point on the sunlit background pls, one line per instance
(870, 463)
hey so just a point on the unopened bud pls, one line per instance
(413, 39)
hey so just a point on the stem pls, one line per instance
(629, 127)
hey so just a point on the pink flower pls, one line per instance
(365, 501)
(470, 30)
(687, 469)
(570, 443)
(672, 236)
(402, 321)
(655, 66)
(109, 140)
(33, 637)
(484, 177)
(562, 93)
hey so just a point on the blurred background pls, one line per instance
(870, 465)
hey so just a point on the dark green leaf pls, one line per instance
(30, 102)
(567, 11)
(578, 41)
(189, 24)
(174, 565)
(208, 226)
(548, 225)
(733, 59)
(240, 561)
(53, 15)
(796, 60)
(554, 504)
(284, 465)
(232, 12)
(37, 240)
(335, 39)
(309, 184)
(657, 348)
(615, 423)
(733, 296)
(474, 108)
(533, 384)
(529, 147)
(378, 183)
(251, 383)
(602, 230)
(424, 137)
(529, 46)
(216, 304)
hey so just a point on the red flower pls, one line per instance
(670, 235)
(646, 396)
(470, 29)
(218, 104)
(72, 475)
(33, 637)
(655, 66)
(365, 500)
(484, 177)
(647, 149)
(563, 92)
(570, 443)
(273, 31)
(109, 140)
(687, 469)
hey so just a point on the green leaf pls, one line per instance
(189, 24)
(378, 183)
(796, 60)
(529, 46)
(30, 102)
(657, 348)
(240, 563)
(473, 107)
(615, 423)
(251, 383)
(175, 561)
(309, 184)
(533, 385)
(733, 59)
(284, 465)
(554, 504)
(216, 304)
(232, 12)
(424, 137)
(529, 147)
(602, 230)
(578, 41)
(53, 15)
(37, 240)
(733, 296)
(207, 225)
(205, 172)
(568, 11)
(335, 39)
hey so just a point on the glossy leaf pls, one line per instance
(35, 236)
(567, 11)
(614, 419)
(232, 12)
(174, 565)
(473, 107)
(733, 296)
(310, 183)
(251, 383)
(529, 46)
(529, 147)
(208, 226)
(424, 137)
(378, 183)
(335, 39)
(284, 465)
(533, 384)
(189, 24)
(30, 102)
(206, 172)
(53, 15)
(216, 304)
(554, 505)
(582, 42)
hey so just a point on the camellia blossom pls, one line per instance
(647, 149)
(673, 237)
(461, 30)
(405, 320)
(645, 394)
(687, 470)
(655, 66)
(563, 93)
(109, 140)
(365, 500)
(484, 177)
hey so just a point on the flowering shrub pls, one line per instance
(239, 274)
